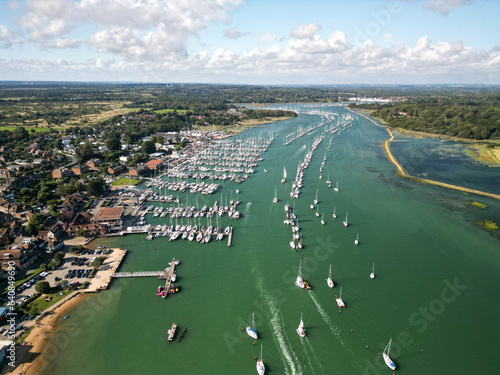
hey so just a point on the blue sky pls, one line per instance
(253, 41)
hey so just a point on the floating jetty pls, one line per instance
(171, 332)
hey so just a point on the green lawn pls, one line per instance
(125, 181)
(28, 128)
(179, 111)
(42, 305)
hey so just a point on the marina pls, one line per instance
(262, 269)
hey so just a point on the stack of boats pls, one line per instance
(292, 220)
(201, 234)
(297, 183)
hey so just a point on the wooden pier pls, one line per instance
(230, 237)
(139, 274)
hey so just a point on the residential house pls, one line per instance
(61, 172)
(79, 169)
(116, 169)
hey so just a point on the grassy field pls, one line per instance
(179, 111)
(42, 305)
(125, 181)
(27, 127)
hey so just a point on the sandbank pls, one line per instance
(402, 173)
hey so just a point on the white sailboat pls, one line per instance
(322, 219)
(300, 329)
(328, 182)
(336, 188)
(334, 214)
(356, 241)
(275, 199)
(300, 282)
(261, 369)
(346, 223)
(283, 180)
(316, 199)
(329, 281)
(339, 301)
(372, 275)
(388, 361)
(251, 331)
(317, 213)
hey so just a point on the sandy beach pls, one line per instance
(28, 354)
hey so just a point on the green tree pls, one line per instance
(42, 286)
(59, 256)
(35, 224)
(113, 144)
(96, 186)
(148, 147)
(85, 152)
(44, 194)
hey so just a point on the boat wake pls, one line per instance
(316, 360)
(247, 209)
(290, 361)
(307, 356)
(325, 316)
(327, 320)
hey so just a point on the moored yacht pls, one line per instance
(388, 361)
(261, 369)
(339, 301)
(251, 331)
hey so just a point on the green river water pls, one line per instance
(435, 292)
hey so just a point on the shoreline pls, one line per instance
(35, 343)
(40, 335)
(402, 173)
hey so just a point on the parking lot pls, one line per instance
(75, 269)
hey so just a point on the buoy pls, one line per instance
(254, 343)
(254, 358)
(242, 329)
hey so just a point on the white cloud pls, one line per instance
(305, 31)
(167, 22)
(233, 33)
(6, 37)
(265, 37)
(442, 6)
(62, 43)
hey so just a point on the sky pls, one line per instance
(264, 42)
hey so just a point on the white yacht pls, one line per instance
(300, 329)
(251, 331)
(388, 361)
(261, 369)
(299, 282)
(339, 301)
(329, 281)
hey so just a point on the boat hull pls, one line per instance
(388, 361)
(251, 333)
